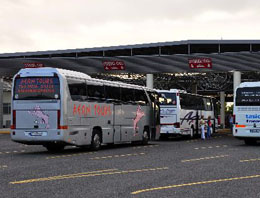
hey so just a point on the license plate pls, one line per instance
(36, 133)
(254, 130)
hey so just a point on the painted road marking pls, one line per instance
(139, 147)
(210, 147)
(250, 160)
(204, 158)
(10, 152)
(190, 141)
(88, 174)
(194, 183)
(70, 155)
(117, 156)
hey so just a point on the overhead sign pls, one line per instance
(33, 65)
(114, 65)
(197, 63)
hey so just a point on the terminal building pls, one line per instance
(207, 67)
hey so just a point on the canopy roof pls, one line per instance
(165, 57)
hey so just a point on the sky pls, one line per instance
(39, 25)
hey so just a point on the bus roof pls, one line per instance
(249, 84)
(181, 91)
(49, 71)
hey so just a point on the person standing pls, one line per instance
(202, 126)
(209, 124)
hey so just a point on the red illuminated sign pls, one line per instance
(114, 65)
(197, 63)
(35, 85)
(33, 65)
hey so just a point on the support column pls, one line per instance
(194, 88)
(236, 80)
(1, 102)
(149, 81)
(222, 109)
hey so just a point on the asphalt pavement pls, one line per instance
(219, 167)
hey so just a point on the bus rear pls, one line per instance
(169, 118)
(36, 107)
(246, 112)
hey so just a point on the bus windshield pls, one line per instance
(248, 96)
(168, 98)
(36, 88)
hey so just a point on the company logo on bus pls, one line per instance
(255, 118)
(42, 116)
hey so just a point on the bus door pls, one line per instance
(117, 121)
(155, 118)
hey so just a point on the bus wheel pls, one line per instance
(54, 147)
(250, 141)
(163, 137)
(145, 137)
(96, 140)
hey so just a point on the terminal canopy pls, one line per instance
(168, 57)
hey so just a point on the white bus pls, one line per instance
(247, 112)
(55, 107)
(180, 113)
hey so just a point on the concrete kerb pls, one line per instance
(5, 131)
(223, 131)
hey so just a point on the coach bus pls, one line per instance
(180, 113)
(55, 107)
(246, 112)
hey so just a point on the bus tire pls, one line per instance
(250, 141)
(145, 137)
(54, 147)
(96, 140)
(163, 137)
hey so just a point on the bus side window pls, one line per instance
(95, 92)
(112, 94)
(77, 90)
(140, 97)
(127, 95)
(183, 101)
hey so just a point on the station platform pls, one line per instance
(225, 131)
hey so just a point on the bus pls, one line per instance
(56, 107)
(246, 112)
(180, 113)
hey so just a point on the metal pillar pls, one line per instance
(236, 80)
(222, 110)
(194, 88)
(149, 81)
(1, 101)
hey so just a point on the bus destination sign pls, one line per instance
(114, 65)
(198, 63)
(35, 85)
